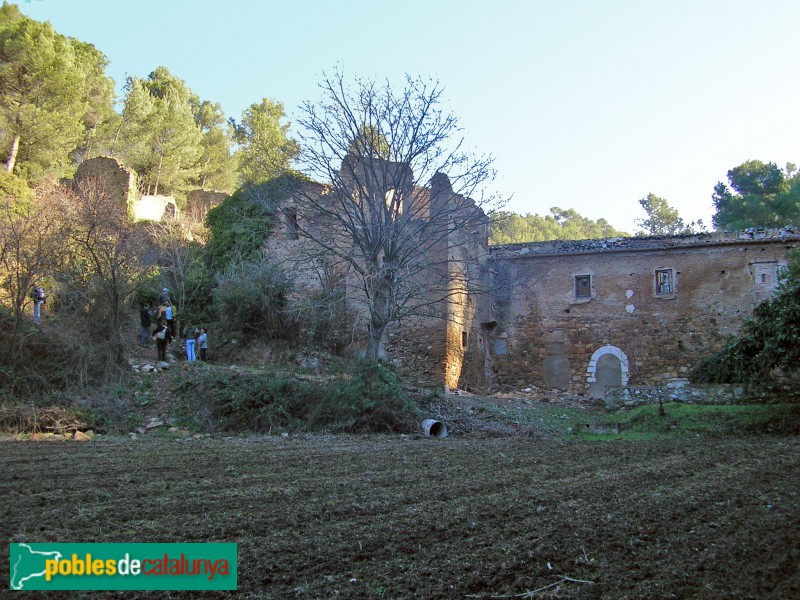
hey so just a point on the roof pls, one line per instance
(634, 244)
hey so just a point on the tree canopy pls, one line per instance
(265, 149)
(511, 228)
(760, 195)
(159, 137)
(53, 95)
(661, 219)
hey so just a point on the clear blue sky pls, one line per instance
(584, 104)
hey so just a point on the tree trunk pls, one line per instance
(158, 173)
(11, 161)
(379, 319)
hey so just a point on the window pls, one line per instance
(394, 203)
(291, 224)
(665, 282)
(583, 286)
(766, 277)
(500, 346)
(464, 339)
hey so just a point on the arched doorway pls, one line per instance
(608, 366)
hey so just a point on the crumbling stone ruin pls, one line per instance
(120, 182)
(199, 202)
(577, 316)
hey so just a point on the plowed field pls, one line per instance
(399, 517)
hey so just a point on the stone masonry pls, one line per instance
(581, 316)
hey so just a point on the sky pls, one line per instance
(584, 104)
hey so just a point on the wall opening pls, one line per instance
(583, 286)
(608, 366)
(290, 224)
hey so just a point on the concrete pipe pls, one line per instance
(434, 428)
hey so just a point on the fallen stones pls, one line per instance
(154, 422)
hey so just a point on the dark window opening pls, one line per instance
(665, 284)
(583, 286)
(291, 224)
(463, 339)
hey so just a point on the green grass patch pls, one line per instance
(553, 419)
(645, 422)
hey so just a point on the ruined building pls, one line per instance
(570, 315)
(579, 316)
(120, 183)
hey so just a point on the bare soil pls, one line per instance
(407, 517)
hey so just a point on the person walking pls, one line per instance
(169, 315)
(37, 294)
(202, 342)
(161, 337)
(163, 296)
(190, 334)
(145, 322)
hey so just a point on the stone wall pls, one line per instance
(199, 202)
(155, 208)
(682, 391)
(621, 328)
(117, 179)
(433, 346)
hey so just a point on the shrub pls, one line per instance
(768, 343)
(239, 226)
(365, 398)
(250, 298)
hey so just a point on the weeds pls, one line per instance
(644, 422)
(364, 398)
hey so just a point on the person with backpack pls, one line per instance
(169, 315)
(37, 294)
(162, 337)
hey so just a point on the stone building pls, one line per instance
(571, 315)
(581, 315)
(441, 343)
(199, 202)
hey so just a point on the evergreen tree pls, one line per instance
(661, 219)
(511, 228)
(159, 137)
(53, 95)
(265, 149)
(216, 167)
(763, 196)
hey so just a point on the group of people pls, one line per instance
(164, 333)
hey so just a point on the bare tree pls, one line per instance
(178, 255)
(109, 259)
(30, 242)
(402, 205)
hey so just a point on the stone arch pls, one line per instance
(609, 358)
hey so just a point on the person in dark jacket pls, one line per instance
(162, 338)
(145, 322)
